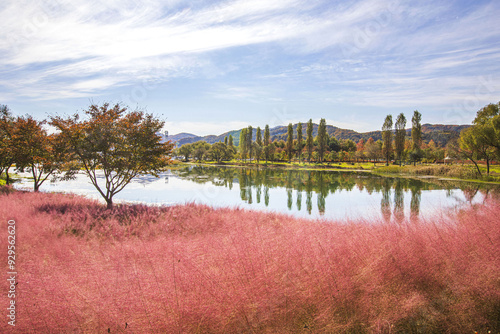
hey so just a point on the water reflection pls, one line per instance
(322, 184)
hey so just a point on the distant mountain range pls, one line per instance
(441, 134)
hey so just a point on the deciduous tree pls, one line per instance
(387, 138)
(120, 142)
(38, 152)
(322, 139)
(309, 140)
(400, 136)
(289, 142)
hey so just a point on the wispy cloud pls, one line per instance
(366, 53)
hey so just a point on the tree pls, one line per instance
(372, 150)
(289, 142)
(218, 152)
(243, 144)
(309, 140)
(42, 154)
(268, 151)
(300, 141)
(322, 139)
(258, 144)
(249, 142)
(199, 149)
(387, 138)
(469, 147)
(225, 140)
(123, 143)
(6, 148)
(416, 137)
(400, 135)
(185, 150)
(230, 141)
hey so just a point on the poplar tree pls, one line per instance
(289, 142)
(309, 140)
(400, 136)
(416, 136)
(243, 144)
(387, 138)
(300, 141)
(322, 139)
(249, 142)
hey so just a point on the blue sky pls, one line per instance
(210, 66)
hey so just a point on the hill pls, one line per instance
(441, 134)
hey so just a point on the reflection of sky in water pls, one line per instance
(355, 203)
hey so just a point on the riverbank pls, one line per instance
(455, 172)
(192, 269)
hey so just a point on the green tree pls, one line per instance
(289, 142)
(300, 141)
(199, 149)
(258, 144)
(243, 144)
(268, 151)
(322, 139)
(249, 138)
(309, 140)
(387, 138)
(225, 140)
(122, 143)
(470, 147)
(185, 150)
(400, 135)
(218, 152)
(230, 141)
(416, 137)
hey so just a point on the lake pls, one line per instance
(303, 193)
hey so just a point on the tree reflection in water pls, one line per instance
(321, 184)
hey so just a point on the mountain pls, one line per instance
(181, 136)
(441, 134)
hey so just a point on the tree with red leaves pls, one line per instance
(121, 143)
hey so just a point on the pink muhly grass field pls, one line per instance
(195, 269)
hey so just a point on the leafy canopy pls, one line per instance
(123, 143)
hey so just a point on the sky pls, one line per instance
(207, 67)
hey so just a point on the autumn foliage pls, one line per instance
(194, 269)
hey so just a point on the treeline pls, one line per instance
(300, 145)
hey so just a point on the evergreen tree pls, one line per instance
(230, 141)
(387, 138)
(225, 140)
(267, 142)
(309, 140)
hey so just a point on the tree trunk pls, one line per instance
(109, 203)
(7, 178)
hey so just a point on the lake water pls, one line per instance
(331, 195)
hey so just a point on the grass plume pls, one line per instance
(195, 269)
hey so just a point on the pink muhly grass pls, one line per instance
(195, 269)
